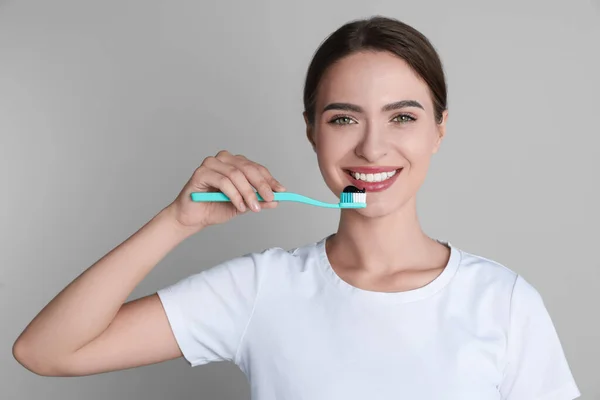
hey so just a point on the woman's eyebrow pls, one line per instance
(388, 107)
(343, 107)
(402, 104)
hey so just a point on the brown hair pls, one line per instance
(378, 34)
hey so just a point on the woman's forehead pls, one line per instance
(371, 78)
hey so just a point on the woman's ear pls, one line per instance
(310, 133)
(441, 128)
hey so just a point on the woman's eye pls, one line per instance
(342, 121)
(403, 118)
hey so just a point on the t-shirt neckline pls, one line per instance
(439, 283)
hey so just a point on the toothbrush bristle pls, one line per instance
(353, 195)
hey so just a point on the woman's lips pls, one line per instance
(373, 186)
(372, 170)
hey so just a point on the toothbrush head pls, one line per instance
(353, 197)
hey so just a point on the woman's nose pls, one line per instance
(372, 147)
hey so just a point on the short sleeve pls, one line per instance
(536, 367)
(209, 311)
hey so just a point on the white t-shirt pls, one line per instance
(479, 331)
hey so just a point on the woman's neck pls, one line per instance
(394, 242)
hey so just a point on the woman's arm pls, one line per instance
(87, 328)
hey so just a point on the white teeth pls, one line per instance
(379, 177)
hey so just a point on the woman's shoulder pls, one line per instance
(489, 272)
(484, 267)
(275, 257)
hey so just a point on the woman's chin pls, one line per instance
(377, 209)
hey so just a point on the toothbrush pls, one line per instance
(351, 197)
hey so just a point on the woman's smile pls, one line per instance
(373, 179)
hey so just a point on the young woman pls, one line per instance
(376, 310)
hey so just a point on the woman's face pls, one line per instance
(374, 128)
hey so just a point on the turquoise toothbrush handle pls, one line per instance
(300, 199)
(209, 196)
(218, 196)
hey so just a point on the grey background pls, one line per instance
(107, 107)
